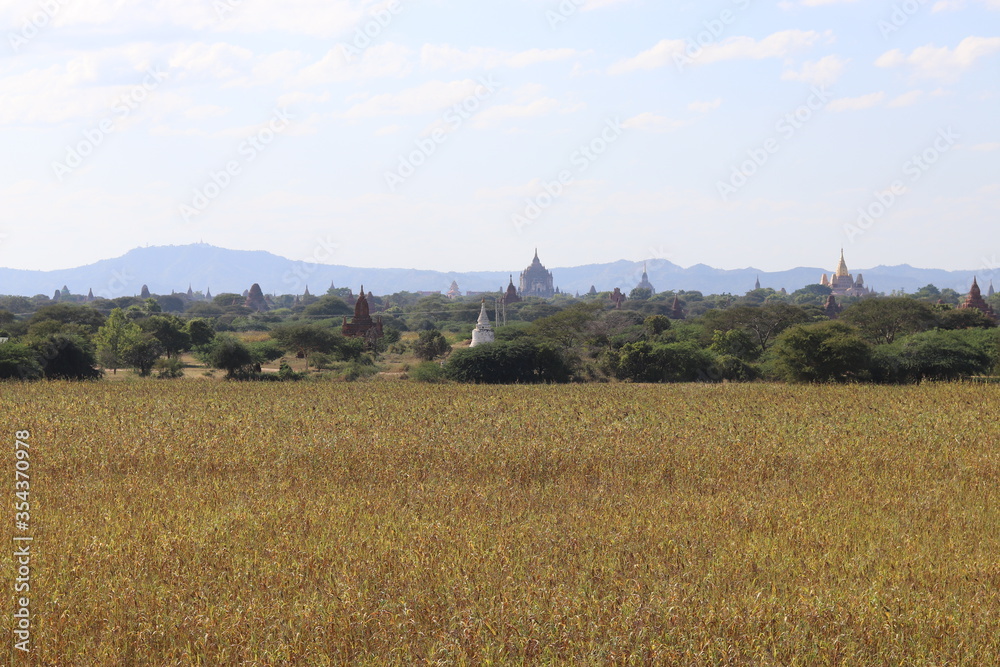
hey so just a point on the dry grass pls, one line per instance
(393, 523)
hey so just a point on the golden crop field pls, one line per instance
(385, 523)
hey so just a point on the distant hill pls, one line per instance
(167, 269)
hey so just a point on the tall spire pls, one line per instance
(842, 266)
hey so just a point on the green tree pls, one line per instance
(228, 353)
(656, 324)
(935, 355)
(327, 306)
(764, 322)
(519, 362)
(19, 362)
(142, 353)
(306, 339)
(822, 352)
(663, 362)
(569, 326)
(113, 339)
(430, 344)
(964, 318)
(70, 313)
(882, 320)
(170, 331)
(200, 332)
(66, 357)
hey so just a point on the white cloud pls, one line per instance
(500, 112)
(987, 148)
(443, 56)
(823, 72)
(857, 103)
(941, 62)
(906, 99)
(955, 5)
(318, 18)
(650, 122)
(429, 96)
(705, 106)
(383, 60)
(777, 45)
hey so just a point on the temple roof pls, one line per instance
(842, 266)
(484, 319)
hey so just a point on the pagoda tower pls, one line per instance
(975, 300)
(483, 333)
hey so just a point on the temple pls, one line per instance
(536, 281)
(843, 283)
(483, 333)
(975, 300)
(362, 326)
(644, 283)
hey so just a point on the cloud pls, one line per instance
(429, 96)
(823, 72)
(857, 103)
(941, 62)
(317, 18)
(443, 56)
(777, 45)
(541, 107)
(705, 107)
(380, 61)
(906, 99)
(955, 5)
(987, 148)
(650, 122)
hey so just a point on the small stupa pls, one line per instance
(483, 333)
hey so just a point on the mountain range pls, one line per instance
(168, 269)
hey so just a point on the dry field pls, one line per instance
(189, 523)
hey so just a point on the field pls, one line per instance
(382, 523)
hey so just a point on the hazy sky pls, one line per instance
(461, 135)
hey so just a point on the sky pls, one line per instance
(449, 135)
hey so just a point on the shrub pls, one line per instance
(428, 371)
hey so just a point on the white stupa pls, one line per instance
(483, 333)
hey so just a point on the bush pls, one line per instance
(428, 371)
(64, 357)
(670, 362)
(19, 362)
(823, 352)
(430, 344)
(934, 355)
(168, 368)
(359, 369)
(508, 363)
(228, 353)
